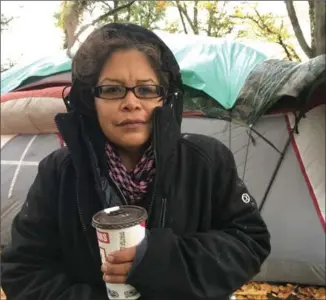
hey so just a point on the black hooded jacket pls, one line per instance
(206, 239)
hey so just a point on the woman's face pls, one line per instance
(126, 122)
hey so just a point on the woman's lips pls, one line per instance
(133, 125)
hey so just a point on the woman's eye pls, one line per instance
(147, 90)
(111, 90)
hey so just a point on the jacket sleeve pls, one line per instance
(31, 265)
(213, 264)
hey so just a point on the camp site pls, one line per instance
(268, 110)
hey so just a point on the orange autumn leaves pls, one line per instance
(264, 291)
(161, 6)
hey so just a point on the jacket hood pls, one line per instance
(90, 57)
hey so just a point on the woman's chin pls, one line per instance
(136, 140)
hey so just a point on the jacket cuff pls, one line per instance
(140, 253)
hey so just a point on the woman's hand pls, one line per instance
(117, 266)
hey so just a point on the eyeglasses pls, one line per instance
(113, 92)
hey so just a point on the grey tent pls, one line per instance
(295, 204)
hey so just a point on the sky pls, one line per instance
(33, 34)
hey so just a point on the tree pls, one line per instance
(219, 23)
(70, 16)
(143, 13)
(204, 17)
(317, 13)
(266, 26)
(5, 21)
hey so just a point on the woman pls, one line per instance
(205, 238)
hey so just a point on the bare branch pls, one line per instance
(182, 19)
(297, 29)
(196, 16)
(106, 4)
(102, 17)
(5, 21)
(185, 13)
(288, 49)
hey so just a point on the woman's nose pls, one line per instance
(130, 102)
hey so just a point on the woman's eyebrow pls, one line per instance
(111, 79)
(146, 80)
(122, 82)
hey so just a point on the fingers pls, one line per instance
(116, 269)
(118, 265)
(122, 256)
(115, 278)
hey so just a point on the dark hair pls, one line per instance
(100, 45)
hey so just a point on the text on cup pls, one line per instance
(103, 237)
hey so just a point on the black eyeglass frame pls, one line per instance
(96, 91)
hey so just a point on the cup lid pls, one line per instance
(119, 217)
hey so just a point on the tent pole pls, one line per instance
(247, 152)
(230, 130)
(276, 170)
(304, 108)
(265, 139)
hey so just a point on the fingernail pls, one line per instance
(110, 258)
(107, 278)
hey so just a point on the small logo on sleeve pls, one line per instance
(245, 198)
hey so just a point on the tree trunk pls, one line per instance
(297, 29)
(209, 23)
(320, 28)
(196, 17)
(185, 13)
(97, 20)
(182, 19)
(115, 16)
(71, 20)
(312, 21)
(128, 13)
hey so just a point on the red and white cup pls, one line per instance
(117, 228)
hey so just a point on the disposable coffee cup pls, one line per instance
(117, 228)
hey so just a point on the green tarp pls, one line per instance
(215, 66)
(22, 74)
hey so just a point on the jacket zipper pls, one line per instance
(98, 172)
(119, 190)
(84, 228)
(78, 205)
(163, 211)
(155, 182)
